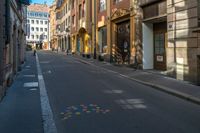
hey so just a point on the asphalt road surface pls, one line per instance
(88, 99)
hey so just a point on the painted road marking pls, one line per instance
(29, 76)
(47, 114)
(131, 103)
(31, 84)
(33, 89)
(82, 109)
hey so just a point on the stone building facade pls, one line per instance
(12, 40)
(2, 45)
(170, 37)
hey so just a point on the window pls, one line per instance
(155, 10)
(32, 21)
(37, 36)
(73, 20)
(79, 12)
(46, 22)
(159, 43)
(41, 22)
(28, 21)
(45, 29)
(45, 36)
(116, 1)
(40, 14)
(45, 15)
(84, 8)
(32, 28)
(32, 36)
(68, 20)
(102, 5)
(66, 8)
(37, 21)
(73, 3)
(41, 29)
(37, 29)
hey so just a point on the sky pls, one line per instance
(49, 2)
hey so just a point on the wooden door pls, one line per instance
(160, 37)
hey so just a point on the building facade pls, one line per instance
(115, 30)
(12, 40)
(161, 35)
(53, 37)
(63, 23)
(170, 43)
(38, 26)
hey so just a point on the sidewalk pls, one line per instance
(157, 81)
(20, 110)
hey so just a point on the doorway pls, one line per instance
(160, 37)
(123, 41)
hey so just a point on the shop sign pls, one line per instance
(159, 58)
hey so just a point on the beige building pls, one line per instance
(63, 23)
(170, 43)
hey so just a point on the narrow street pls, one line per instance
(100, 66)
(87, 99)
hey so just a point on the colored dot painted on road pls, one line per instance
(82, 110)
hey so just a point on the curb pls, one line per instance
(179, 94)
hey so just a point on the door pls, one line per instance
(123, 41)
(160, 36)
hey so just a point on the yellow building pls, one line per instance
(81, 30)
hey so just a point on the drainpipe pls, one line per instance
(95, 52)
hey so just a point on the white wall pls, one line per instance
(39, 26)
(148, 50)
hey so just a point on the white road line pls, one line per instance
(31, 84)
(47, 114)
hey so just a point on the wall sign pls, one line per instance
(159, 58)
